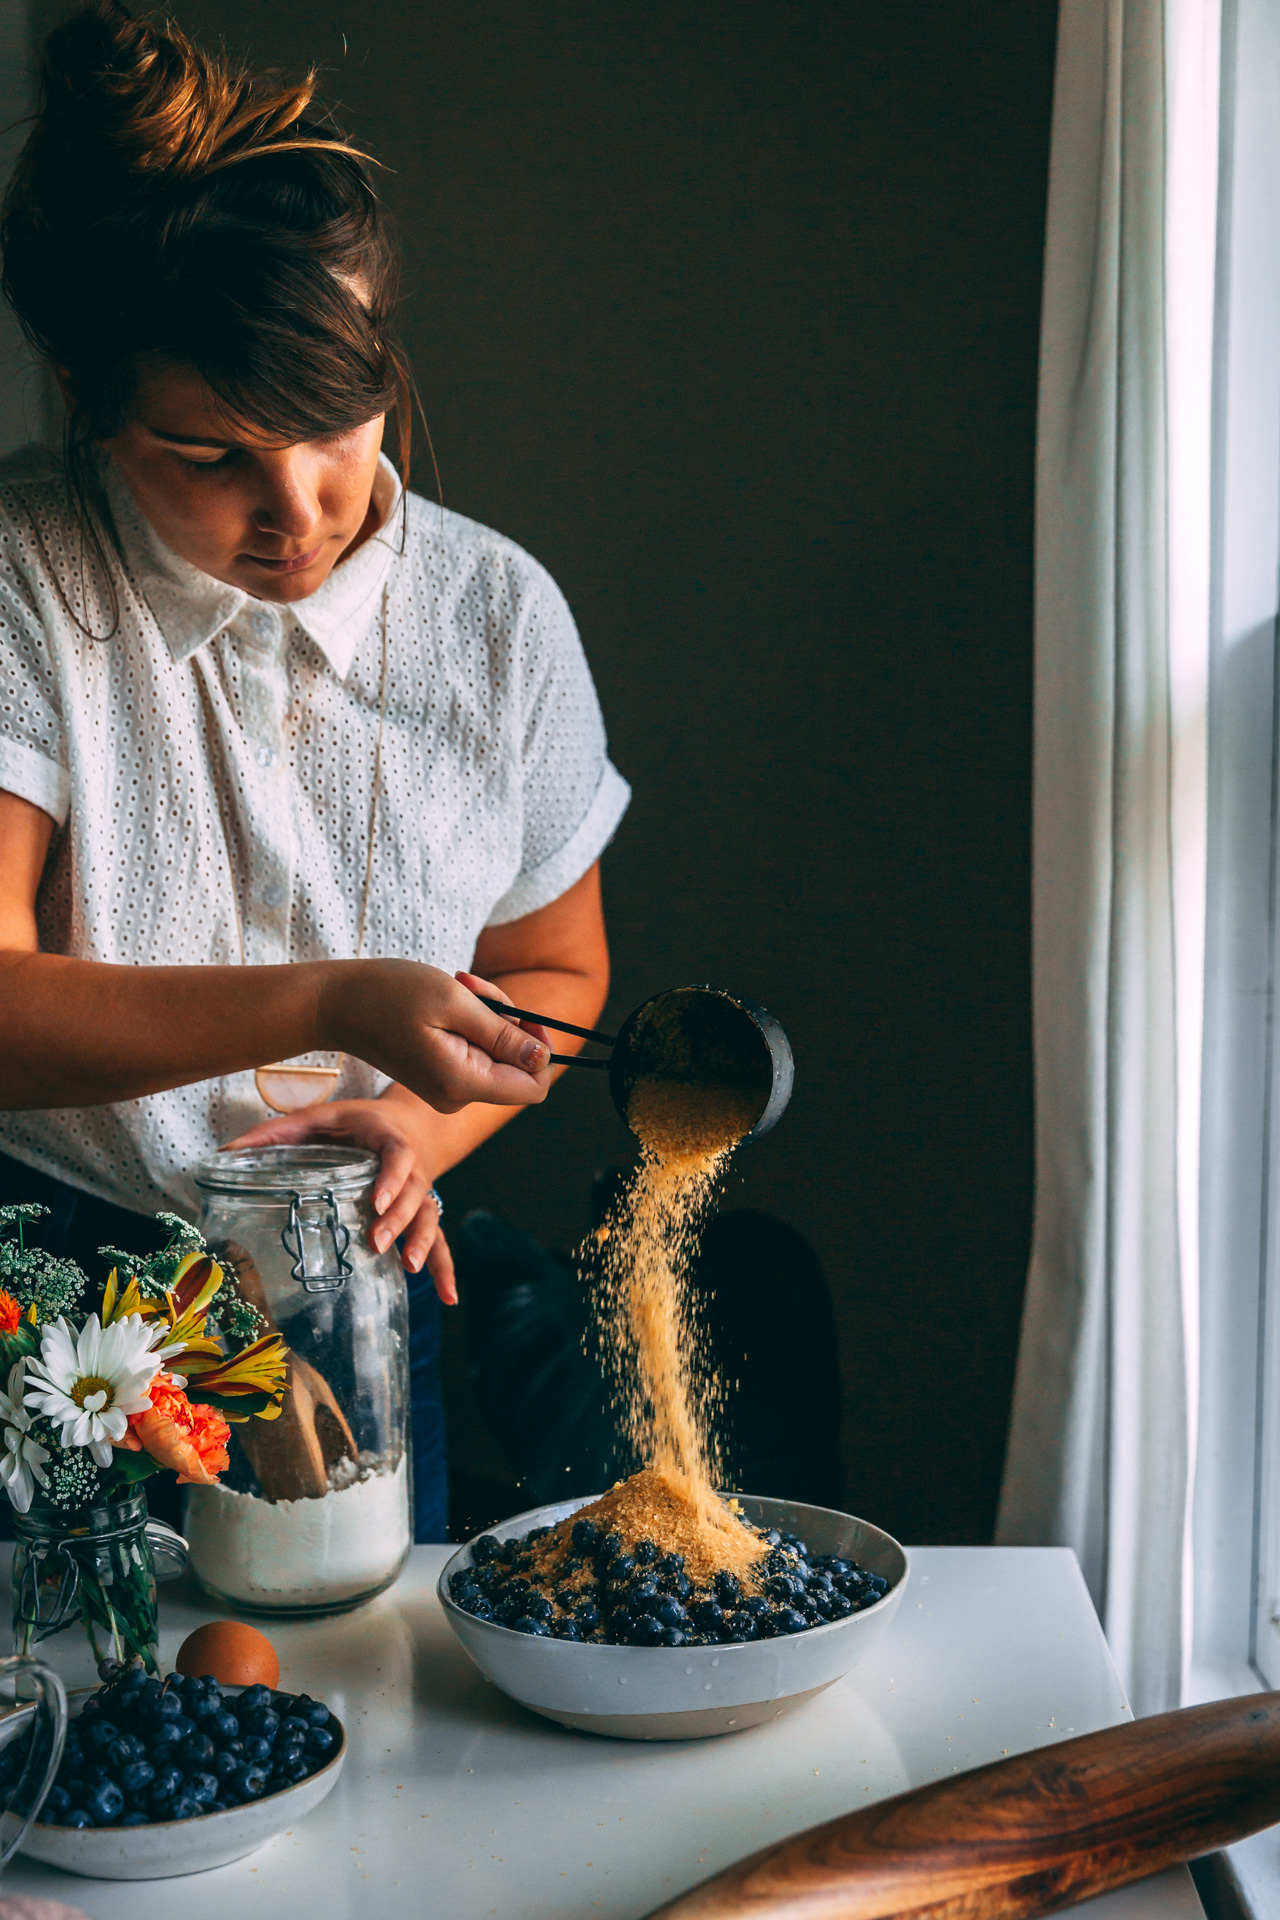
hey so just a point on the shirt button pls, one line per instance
(272, 895)
(266, 757)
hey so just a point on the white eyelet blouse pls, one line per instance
(496, 791)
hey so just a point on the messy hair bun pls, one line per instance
(173, 206)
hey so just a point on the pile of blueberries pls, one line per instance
(144, 1750)
(644, 1598)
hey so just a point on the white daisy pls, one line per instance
(22, 1460)
(90, 1382)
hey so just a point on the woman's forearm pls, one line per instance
(79, 1033)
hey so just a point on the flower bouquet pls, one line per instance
(95, 1401)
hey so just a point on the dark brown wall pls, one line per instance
(729, 314)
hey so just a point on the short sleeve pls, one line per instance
(572, 797)
(32, 745)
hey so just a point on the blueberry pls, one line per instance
(287, 1773)
(183, 1726)
(587, 1616)
(293, 1723)
(110, 1669)
(137, 1776)
(256, 1749)
(134, 1818)
(249, 1781)
(287, 1749)
(104, 1803)
(527, 1624)
(99, 1735)
(183, 1807)
(136, 1679)
(839, 1605)
(728, 1590)
(460, 1583)
(540, 1608)
(707, 1616)
(321, 1741)
(201, 1786)
(223, 1727)
(668, 1610)
(820, 1603)
(165, 1740)
(225, 1764)
(641, 1594)
(673, 1636)
(57, 1801)
(477, 1606)
(741, 1625)
(566, 1630)
(205, 1707)
(784, 1588)
(485, 1549)
(167, 1707)
(135, 1749)
(647, 1632)
(585, 1535)
(567, 1599)
(264, 1723)
(76, 1817)
(622, 1626)
(681, 1586)
(196, 1751)
(771, 1537)
(755, 1605)
(785, 1620)
(216, 1806)
(166, 1783)
(621, 1568)
(252, 1699)
(671, 1564)
(608, 1547)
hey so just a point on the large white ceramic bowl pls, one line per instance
(685, 1693)
(165, 1848)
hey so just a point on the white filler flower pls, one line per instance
(90, 1382)
(22, 1459)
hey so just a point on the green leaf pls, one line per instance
(236, 1406)
(128, 1468)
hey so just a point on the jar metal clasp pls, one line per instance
(311, 1229)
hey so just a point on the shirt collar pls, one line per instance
(191, 608)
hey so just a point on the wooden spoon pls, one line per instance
(1026, 1835)
(292, 1454)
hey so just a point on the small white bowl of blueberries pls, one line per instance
(171, 1776)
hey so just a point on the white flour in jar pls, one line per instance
(299, 1553)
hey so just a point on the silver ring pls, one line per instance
(439, 1204)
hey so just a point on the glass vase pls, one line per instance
(93, 1569)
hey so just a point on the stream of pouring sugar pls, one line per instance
(687, 1134)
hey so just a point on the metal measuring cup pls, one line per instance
(702, 1035)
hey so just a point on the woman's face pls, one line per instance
(272, 520)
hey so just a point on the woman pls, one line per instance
(289, 759)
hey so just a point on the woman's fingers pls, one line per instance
(440, 1267)
(404, 1208)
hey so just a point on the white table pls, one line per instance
(456, 1804)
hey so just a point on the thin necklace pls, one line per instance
(284, 1085)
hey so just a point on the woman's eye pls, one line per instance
(206, 465)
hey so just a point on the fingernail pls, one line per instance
(533, 1055)
(416, 1259)
(381, 1239)
(381, 1201)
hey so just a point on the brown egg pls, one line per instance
(237, 1655)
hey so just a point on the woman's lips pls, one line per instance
(297, 565)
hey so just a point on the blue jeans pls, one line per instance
(78, 1225)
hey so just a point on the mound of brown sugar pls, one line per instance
(660, 1505)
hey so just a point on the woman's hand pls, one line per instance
(432, 1035)
(402, 1191)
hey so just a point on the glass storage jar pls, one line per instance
(313, 1513)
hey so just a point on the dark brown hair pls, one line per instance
(171, 206)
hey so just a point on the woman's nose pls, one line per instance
(288, 504)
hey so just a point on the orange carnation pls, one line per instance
(178, 1434)
(10, 1313)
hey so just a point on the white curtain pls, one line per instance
(1102, 1443)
